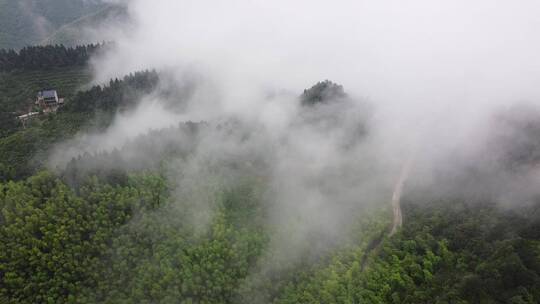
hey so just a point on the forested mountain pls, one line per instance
(157, 221)
(28, 22)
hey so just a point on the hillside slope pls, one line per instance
(18, 89)
(83, 30)
(26, 22)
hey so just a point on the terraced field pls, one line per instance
(18, 89)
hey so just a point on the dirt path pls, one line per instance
(397, 222)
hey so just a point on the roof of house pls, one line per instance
(49, 94)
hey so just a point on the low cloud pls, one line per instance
(424, 78)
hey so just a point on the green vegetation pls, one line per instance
(46, 57)
(118, 227)
(24, 73)
(24, 151)
(28, 22)
(447, 252)
(53, 237)
(19, 88)
(132, 243)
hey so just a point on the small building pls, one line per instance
(48, 101)
(48, 97)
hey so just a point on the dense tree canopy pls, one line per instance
(130, 243)
(448, 252)
(53, 238)
(45, 57)
(323, 92)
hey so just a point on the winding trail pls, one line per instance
(397, 220)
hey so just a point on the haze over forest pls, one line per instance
(270, 152)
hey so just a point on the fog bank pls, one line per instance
(423, 78)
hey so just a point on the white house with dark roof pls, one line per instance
(48, 100)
